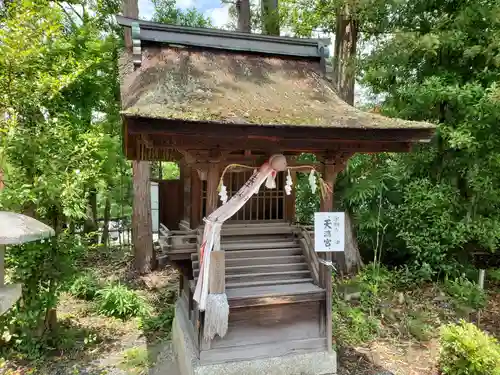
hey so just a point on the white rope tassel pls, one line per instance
(223, 193)
(216, 316)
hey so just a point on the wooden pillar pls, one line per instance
(326, 205)
(142, 230)
(196, 200)
(212, 184)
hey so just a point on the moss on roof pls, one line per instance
(184, 84)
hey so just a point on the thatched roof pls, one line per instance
(228, 87)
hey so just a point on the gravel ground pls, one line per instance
(164, 364)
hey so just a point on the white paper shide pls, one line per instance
(329, 231)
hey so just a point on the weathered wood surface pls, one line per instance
(307, 246)
(207, 136)
(217, 274)
(273, 301)
(142, 236)
(274, 295)
(252, 261)
(264, 324)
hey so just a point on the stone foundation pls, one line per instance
(316, 363)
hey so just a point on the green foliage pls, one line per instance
(466, 350)
(85, 286)
(430, 204)
(357, 324)
(166, 11)
(42, 268)
(465, 293)
(352, 325)
(307, 203)
(494, 275)
(118, 301)
(36, 63)
(136, 361)
(158, 324)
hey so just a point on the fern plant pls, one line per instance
(120, 302)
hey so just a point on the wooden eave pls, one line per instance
(196, 135)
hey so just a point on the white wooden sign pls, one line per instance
(329, 231)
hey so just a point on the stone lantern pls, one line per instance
(16, 229)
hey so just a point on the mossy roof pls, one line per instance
(227, 87)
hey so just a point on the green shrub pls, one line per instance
(465, 293)
(43, 268)
(466, 350)
(120, 302)
(85, 286)
(353, 326)
(160, 324)
(493, 275)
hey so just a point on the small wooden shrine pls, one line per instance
(210, 99)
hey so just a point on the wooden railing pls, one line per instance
(177, 244)
(303, 233)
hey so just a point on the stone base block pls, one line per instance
(9, 294)
(315, 363)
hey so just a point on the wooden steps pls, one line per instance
(260, 294)
(261, 269)
(271, 283)
(236, 262)
(266, 260)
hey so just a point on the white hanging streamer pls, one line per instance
(214, 221)
(271, 181)
(288, 183)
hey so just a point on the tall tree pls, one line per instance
(244, 16)
(54, 147)
(142, 235)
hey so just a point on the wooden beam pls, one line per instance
(258, 163)
(204, 143)
(196, 200)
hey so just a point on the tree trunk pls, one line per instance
(344, 67)
(270, 17)
(90, 225)
(105, 229)
(142, 235)
(243, 11)
(344, 78)
(353, 261)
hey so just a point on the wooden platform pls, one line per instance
(275, 308)
(268, 321)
